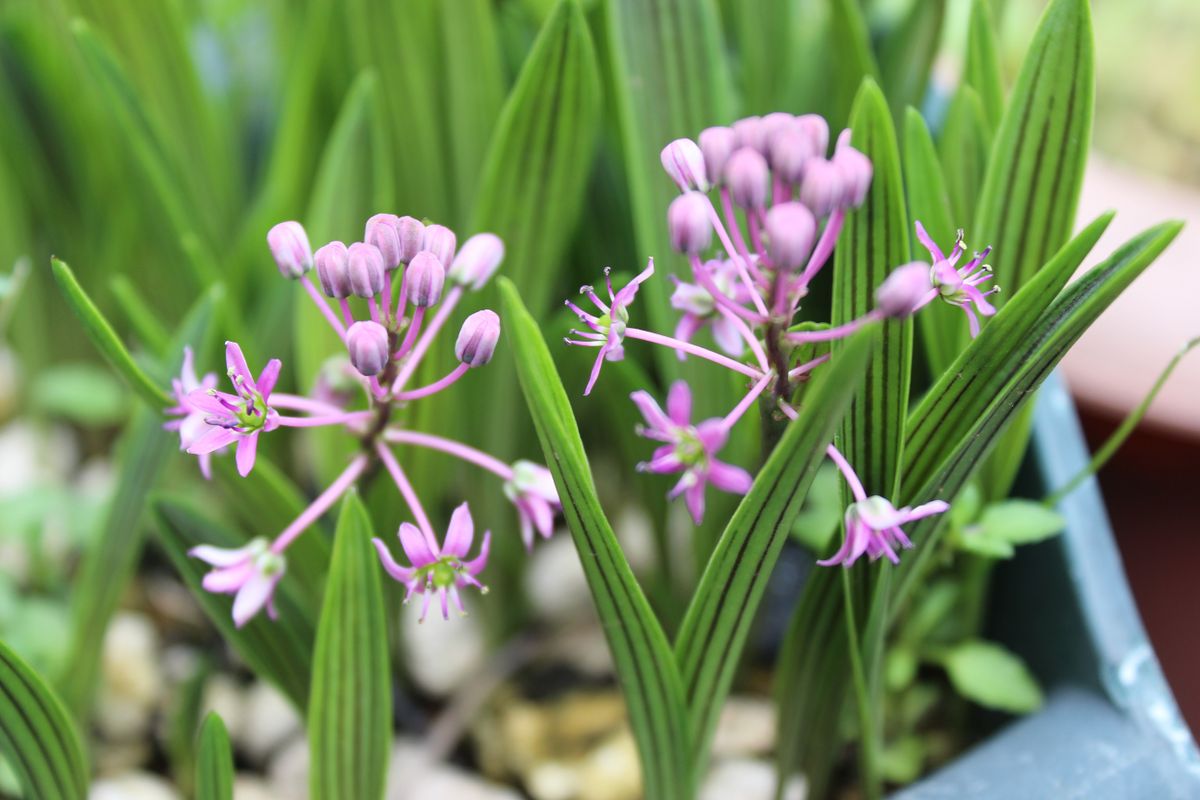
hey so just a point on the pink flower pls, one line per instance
(251, 573)
(699, 309)
(190, 424)
(959, 286)
(438, 570)
(608, 327)
(690, 449)
(531, 490)
(873, 527)
(239, 417)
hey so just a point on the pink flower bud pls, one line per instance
(440, 241)
(901, 293)
(855, 169)
(751, 133)
(773, 124)
(717, 144)
(816, 129)
(791, 229)
(424, 279)
(748, 178)
(477, 260)
(290, 249)
(410, 231)
(381, 232)
(790, 151)
(684, 162)
(365, 269)
(333, 264)
(367, 342)
(688, 223)
(477, 339)
(821, 188)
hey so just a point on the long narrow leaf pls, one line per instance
(713, 635)
(907, 54)
(37, 738)
(982, 68)
(214, 764)
(350, 709)
(645, 665)
(964, 147)
(1035, 173)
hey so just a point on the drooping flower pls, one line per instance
(251, 573)
(959, 285)
(873, 527)
(687, 448)
(699, 309)
(239, 417)
(442, 571)
(190, 422)
(607, 327)
(531, 490)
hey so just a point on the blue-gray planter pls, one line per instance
(1110, 729)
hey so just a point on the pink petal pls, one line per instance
(927, 242)
(725, 334)
(651, 411)
(526, 529)
(415, 546)
(402, 574)
(679, 403)
(693, 497)
(268, 377)
(206, 466)
(595, 371)
(927, 510)
(460, 533)
(236, 362)
(980, 301)
(247, 449)
(729, 478)
(712, 434)
(206, 402)
(222, 556)
(476, 565)
(228, 579)
(187, 373)
(215, 439)
(252, 597)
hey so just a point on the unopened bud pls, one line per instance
(816, 129)
(440, 241)
(791, 229)
(367, 342)
(477, 260)
(751, 133)
(901, 293)
(772, 125)
(333, 263)
(365, 270)
(424, 279)
(748, 178)
(290, 249)
(478, 337)
(821, 188)
(381, 232)
(790, 150)
(717, 145)
(684, 162)
(688, 223)
(855, 169)
(410, 231)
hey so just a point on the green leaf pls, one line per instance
(763, 31)
(350, 708)
(1035, 172)
(36, 735)
(966, 141)
(279, 651)
(537, 165)
(713, 635)
(907, 54)
(982, 68)
(105, 338)
(992, 676)
(183, 723)
(1020, 522)
(872, 244)
(644, 663)
(995, 390)
(141, 317)
(85, 394)
(214, 766)
(904, 759)
(939, 326)
(973, 540)
(850, 56)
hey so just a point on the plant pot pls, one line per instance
(1110, 727)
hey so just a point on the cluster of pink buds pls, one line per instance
(394, 293)
(776, 200)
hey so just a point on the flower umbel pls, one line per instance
(251, 573)
(609, 325)
(438, 570)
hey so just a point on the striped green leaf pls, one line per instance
(713, 635)
(1035, 172)
(106, 340)
(939, 327)
(37, 738)
(279, 651)
(350, 708)
(872, 244)
(982, 68)
(537, 165)
(1029, 359)
(763, 32)
(645, 666)
(850, 59)
(214, 763)
(907, 53)
(964, 147)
